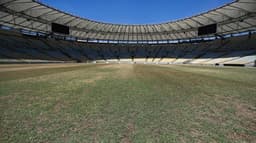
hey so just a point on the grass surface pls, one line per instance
(127, 103)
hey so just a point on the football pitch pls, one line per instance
(126, 103)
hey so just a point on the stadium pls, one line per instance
(65, 78)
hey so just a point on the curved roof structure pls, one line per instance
(237, 16)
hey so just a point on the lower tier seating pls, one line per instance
(231, 51)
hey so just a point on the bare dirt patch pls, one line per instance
(240, 136)
(128, 133)
(95, 78)
(246, 111)
(123, 71)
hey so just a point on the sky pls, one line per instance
(135, 11)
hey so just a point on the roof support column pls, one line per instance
(14, 21)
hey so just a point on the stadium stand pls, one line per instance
(217, 52)
(26, 35)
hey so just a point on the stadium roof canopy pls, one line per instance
(237, 16)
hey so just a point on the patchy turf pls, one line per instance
(127, 103)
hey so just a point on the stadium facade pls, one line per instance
(33, 31)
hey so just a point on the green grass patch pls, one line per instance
(128, 103)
